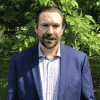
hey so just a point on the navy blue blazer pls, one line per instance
(75, 78)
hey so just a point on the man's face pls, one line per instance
(49, 29)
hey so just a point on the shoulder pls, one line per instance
(26, 53)
(73, 53)
(64, 47)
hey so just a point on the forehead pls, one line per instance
(50, 18)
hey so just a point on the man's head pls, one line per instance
(49, 25)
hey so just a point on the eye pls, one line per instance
(53, 25)
(45, 25)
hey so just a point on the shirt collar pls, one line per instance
(41, 54)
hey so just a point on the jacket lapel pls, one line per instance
(63, 70)
(36, 73)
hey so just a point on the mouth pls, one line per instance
(50, 39)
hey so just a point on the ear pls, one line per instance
(35, 28)
(64, 27)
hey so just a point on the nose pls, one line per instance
(50, 30)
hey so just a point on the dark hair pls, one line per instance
(48, 8)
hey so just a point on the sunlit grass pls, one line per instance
(3, 82)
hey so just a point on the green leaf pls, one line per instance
(29, 17)
(51, 3)
(5, 85)
(79, 25)
(90, 18)
(27, 13)
(26, 42)
(63, 8)
(15, 46)
(87, 2)
(74, 3)
(1, 39)
(32, 5)
(17, 6)
(20, 49)
(62, 1)
(31, 39)
(81, 14)
(71, 22)
(46, 1)
(91, 27)
(69, 11)
(63, 42)
(1, 6)
(1, 49)
(5, 52)
(98, 3)
(42, 2)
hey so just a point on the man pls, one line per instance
(50, 70)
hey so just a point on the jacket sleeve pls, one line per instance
(12, 85)
(87, 84)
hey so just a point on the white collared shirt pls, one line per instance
(50, 74)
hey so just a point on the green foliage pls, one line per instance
(77, 26)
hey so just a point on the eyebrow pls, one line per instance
(49, 24)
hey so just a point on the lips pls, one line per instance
(50, 39)
(47, 39)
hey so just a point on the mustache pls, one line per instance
(50, 38)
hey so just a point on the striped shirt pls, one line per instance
(50, 74)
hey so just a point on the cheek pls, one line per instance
(60, 31)
(59, 34)
(40, 33)
(42, 30)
